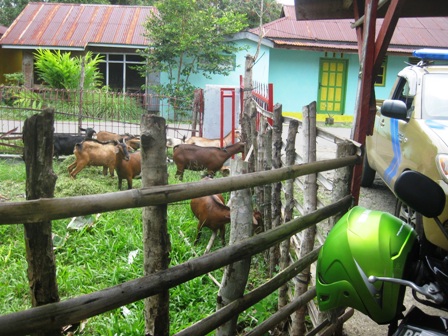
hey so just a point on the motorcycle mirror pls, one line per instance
(420, 193)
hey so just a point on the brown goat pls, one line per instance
(128, 165)
(211, 212)
(198, 158)
(92, 153)
(204, 142)
(131, 140)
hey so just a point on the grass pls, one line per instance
(97, 256)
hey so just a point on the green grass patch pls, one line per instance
(98, 256)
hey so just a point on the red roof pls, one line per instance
(74, 26)
(410, 33)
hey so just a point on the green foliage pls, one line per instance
(10, 9)
(61, 71)
(15, 79)
(27, 99)
(257, 12)
(189, 37)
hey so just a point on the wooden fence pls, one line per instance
(297, 219)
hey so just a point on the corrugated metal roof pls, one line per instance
(409, 34)
(62, 25)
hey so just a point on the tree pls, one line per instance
(189, 37)
(61, 71)
(10, 9)
(255, 10)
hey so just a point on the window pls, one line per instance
(380, 79)
(120, 73)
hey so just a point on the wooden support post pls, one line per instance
(289, 207)
(236, 274)
(156, 241)
(40, 183)
(276, 187)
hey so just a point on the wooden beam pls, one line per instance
(366, 94)
(385, 34)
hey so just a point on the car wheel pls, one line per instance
(368, 173)
(410, 216)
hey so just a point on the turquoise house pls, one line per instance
(318, 61)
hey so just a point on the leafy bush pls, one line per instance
(15, 79)
(59, 70)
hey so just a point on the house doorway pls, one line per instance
(332, 86)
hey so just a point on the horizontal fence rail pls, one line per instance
(73, 310)
(58, 208)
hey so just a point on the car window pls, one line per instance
(435, 96)
(402, 93)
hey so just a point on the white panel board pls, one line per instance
(212, 111)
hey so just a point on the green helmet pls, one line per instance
(364, 243)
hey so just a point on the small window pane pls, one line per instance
(113, 57)
(380, 79)
(134, 58)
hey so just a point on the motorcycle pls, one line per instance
(370, 257)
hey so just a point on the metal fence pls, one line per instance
(101, 109)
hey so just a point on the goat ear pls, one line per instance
(116, 150)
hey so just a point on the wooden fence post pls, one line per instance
(310, 204)
(245, 122)
(267, 207)
(289, 207)
(156, 241)
(236, 274)
(274, 252)
(40, 183)
(259, 191)
(341, 180)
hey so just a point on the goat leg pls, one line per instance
(198, 234)
(210, 242)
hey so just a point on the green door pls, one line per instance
(332, 86)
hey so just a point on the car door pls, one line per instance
(389, 135)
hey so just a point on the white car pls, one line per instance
(411, 133)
